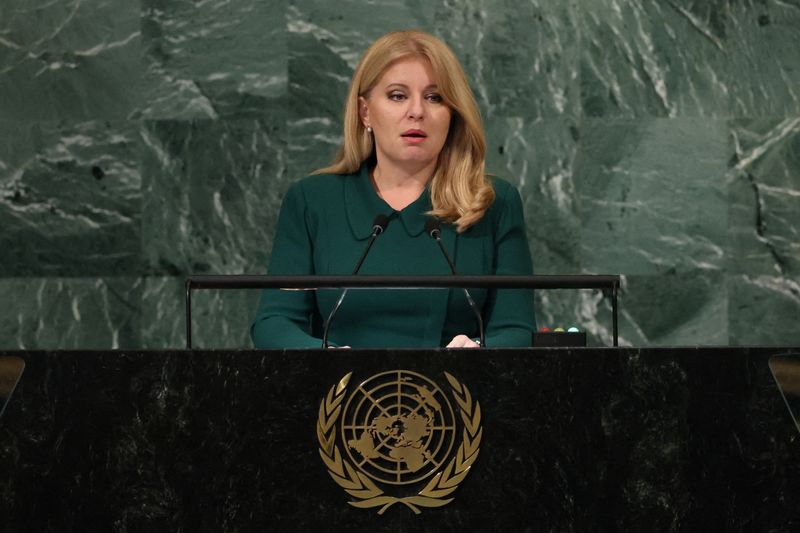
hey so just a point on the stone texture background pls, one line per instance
(144, 140)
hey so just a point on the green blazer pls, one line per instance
(323, 227)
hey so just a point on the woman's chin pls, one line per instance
(412, 157)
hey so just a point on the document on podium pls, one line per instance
(11, 368)
(786, 371)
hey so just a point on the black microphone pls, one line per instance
(378, 226)
(433, 229)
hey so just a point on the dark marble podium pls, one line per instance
(573, 440)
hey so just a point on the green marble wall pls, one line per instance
(144, 140)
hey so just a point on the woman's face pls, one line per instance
(408, 118)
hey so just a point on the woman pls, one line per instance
(413, 149)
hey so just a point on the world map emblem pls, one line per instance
(396, 438)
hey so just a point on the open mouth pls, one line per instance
(414, 134)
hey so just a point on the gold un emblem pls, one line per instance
(397, 430)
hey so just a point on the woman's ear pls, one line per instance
(363, 111)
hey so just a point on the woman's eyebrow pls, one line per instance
(404, 86)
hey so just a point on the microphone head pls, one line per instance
(432, 227)
(379, 224)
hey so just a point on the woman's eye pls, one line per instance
(435, 98)
(396, 96)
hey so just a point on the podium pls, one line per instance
(559, 439)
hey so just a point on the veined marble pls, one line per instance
(764, 197)
(521, 57)
(666, 439)
(212, 191)
(687, 57)
(653, 58)
(69, 60)
(764, 58)
(652, 195)
(538, 157)
(70, 199)
(220, 319)
(213, 59)
(70, 313)
(764, 309)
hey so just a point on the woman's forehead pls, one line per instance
(409, 71)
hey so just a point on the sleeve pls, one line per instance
(510, 312)
(284, 318)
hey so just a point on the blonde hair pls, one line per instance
(460, 191)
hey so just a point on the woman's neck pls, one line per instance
(400, 186)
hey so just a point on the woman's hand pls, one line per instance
(462, 341)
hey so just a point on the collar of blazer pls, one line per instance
(363, 204)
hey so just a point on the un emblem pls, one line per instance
(398, 430)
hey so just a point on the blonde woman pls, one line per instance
(413, 150)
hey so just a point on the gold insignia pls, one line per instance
(398, 429)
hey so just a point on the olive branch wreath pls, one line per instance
(367, 493)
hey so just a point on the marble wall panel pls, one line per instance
(690, 57)
(538, 157)
(70, 313)
(70, 199)
(654, 310)
(652, 195)
(653, 58)
(163, 312)
(69, 60)
(520, 57)
(212, 191)
(764, 197)
(764, 309)
(220, 319)
(214, 59)
(674, 309)
(764, 58)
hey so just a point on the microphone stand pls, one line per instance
(432, 227)
(379, 225)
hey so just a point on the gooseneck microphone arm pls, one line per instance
(433, 230)
(378, 226)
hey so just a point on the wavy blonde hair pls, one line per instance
(460, 191)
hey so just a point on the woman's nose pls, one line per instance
(415, 108)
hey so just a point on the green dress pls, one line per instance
(324, 224)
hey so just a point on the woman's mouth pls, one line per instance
(414, 135)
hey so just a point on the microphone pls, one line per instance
(432, 228)
(379, 225)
